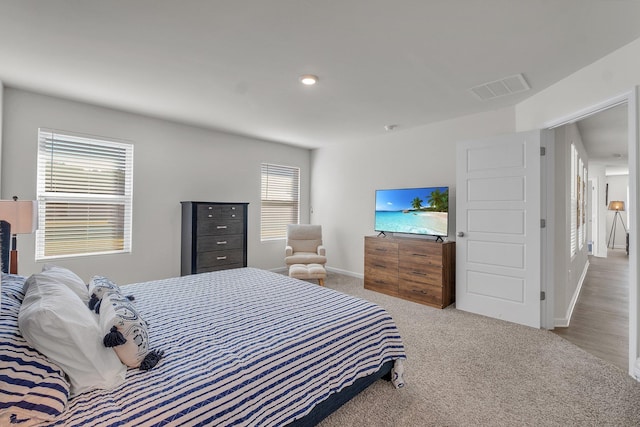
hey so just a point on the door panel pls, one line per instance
(500, 254)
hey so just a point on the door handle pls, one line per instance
(460, 234)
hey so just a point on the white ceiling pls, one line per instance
(233, 65)
(605, 138)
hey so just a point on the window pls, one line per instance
(280, 197)
(574, 201)
(84, 195)
(578, 202)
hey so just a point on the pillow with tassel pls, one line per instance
(98, 287)
(126, 331)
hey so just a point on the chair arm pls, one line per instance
(321, 250)
(288, 251)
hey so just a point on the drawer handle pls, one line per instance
(210, 216)
(380, 266)
(220, 258)
(222, 242)
(233, 215)
(221, 227)
(210, 207)
(419, 255)
(233, 208)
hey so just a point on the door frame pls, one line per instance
(631, 99)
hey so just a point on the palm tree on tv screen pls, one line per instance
(416, 203)
(439, 200)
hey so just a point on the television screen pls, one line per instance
(413, 210)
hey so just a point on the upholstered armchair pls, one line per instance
(304, 245)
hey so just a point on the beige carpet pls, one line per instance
(468, 370)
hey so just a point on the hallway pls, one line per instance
(600, 321)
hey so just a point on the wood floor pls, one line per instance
(600, 321)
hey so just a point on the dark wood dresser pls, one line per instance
(417, 270)
(214, 236)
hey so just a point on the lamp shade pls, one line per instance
(616, 205)
(21, 214)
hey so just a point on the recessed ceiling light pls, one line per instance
(308, 79)
(389, 128)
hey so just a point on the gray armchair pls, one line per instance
(304, 245)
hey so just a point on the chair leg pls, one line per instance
(321, 282)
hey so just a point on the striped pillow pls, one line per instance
(33, 390)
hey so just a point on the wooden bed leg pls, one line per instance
(321, 282)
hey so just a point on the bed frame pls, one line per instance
(334, 402)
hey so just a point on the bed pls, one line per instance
(241, 347)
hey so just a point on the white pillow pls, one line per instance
(55, 322)
(67, 278)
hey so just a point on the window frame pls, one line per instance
(84, 199)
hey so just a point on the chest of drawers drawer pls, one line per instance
(213, 211)
(205, 260)
(219, 227)
(219, 243)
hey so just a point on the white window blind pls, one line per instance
(84, 195)
(574, 201)
(581, 204)
(280, 200)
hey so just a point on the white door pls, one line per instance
(498, 227)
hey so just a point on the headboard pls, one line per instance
(5, 244)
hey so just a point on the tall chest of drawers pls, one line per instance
(214, 236)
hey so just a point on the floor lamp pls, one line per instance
(616, 206)
(22, 216)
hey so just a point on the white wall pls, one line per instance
(569, 269)
(618, 189)
(345, 177)
(172, 163)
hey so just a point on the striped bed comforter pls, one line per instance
(242, 347)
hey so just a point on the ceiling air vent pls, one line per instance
(502, 87)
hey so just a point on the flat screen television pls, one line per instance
(413, 211)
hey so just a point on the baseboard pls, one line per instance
(346, 272)
(563, 322)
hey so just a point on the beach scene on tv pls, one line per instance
(413, 210)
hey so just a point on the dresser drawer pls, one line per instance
(420, 292)
(219, 242)
(219, 227)
(379, 281)
(427, 274)
(381, 247)
(412, 253)
(220, 212)
(381, 262)
(219, 258)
